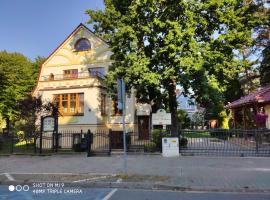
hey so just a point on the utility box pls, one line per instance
(170, 146)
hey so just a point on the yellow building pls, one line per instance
(73, 76)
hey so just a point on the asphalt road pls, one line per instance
(121, 194)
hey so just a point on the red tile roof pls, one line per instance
(259, 96)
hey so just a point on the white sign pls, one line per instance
(170, 147)
(48, 124)
(161, 118)
(143, 109)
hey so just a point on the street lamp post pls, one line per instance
(121, 92)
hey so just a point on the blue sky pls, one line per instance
(36, 27)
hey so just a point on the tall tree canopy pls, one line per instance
(158, 44)
(264, 42)
(18, 76)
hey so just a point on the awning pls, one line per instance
(262, 95)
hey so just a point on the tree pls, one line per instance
(159, 44)
(265, 66)
(16, 82)
(183, 119)
(29, 109)
(263, 41)
(39, 60)
(198, 119)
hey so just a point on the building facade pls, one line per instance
(73, 77)
(186, 103)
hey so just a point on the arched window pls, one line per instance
(82, 44)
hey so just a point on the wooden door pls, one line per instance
(143, 127)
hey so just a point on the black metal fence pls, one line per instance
(17, 143)
(226, 142)
(63, 141)
(217, 142)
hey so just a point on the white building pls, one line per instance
(73, 75)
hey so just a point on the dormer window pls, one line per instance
(82, 44)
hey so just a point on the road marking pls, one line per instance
(257, 169)
(111, 193)
(103, 174)
(9, 177)
(90, 179)
(119, 180)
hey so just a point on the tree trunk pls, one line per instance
(173, 107)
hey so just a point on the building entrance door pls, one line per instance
(143, 127)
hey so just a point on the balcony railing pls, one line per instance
(57, 77)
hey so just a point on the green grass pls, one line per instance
(18, 147)
(24, 143)
(195, 134)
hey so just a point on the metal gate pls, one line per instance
(221, 142)
(99, 143)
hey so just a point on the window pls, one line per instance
(97, 71)
(82, 44)
(71, 74)
(70, 104)
(103, 104)
(190, 104)
(64, 107)
(116, 111)
(72, 107)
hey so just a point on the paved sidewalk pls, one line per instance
(203, 173)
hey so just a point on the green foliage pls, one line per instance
(157, 135)
(198, 118)
(29, 109)
(183, 119)
(159, 44)
(196, 134)
(16, 81)
(21, 135)
(265, 66)
(150, 147)
(18, 77)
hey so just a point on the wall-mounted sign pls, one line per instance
(161, 118)
(48, 123)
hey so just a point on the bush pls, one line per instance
(157, 135)
(183, 142)
(20, 135)
(151, 147)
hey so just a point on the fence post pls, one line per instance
(53, 141)
(40, 136)
(160, 138)
(110, 141)
(89, 142)
(12, 141)
(56, 141)
(35, 141)
(257, 141)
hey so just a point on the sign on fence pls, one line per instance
(161, 118)
(48, 123)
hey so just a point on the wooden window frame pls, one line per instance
(70, 75)
(77, 99)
